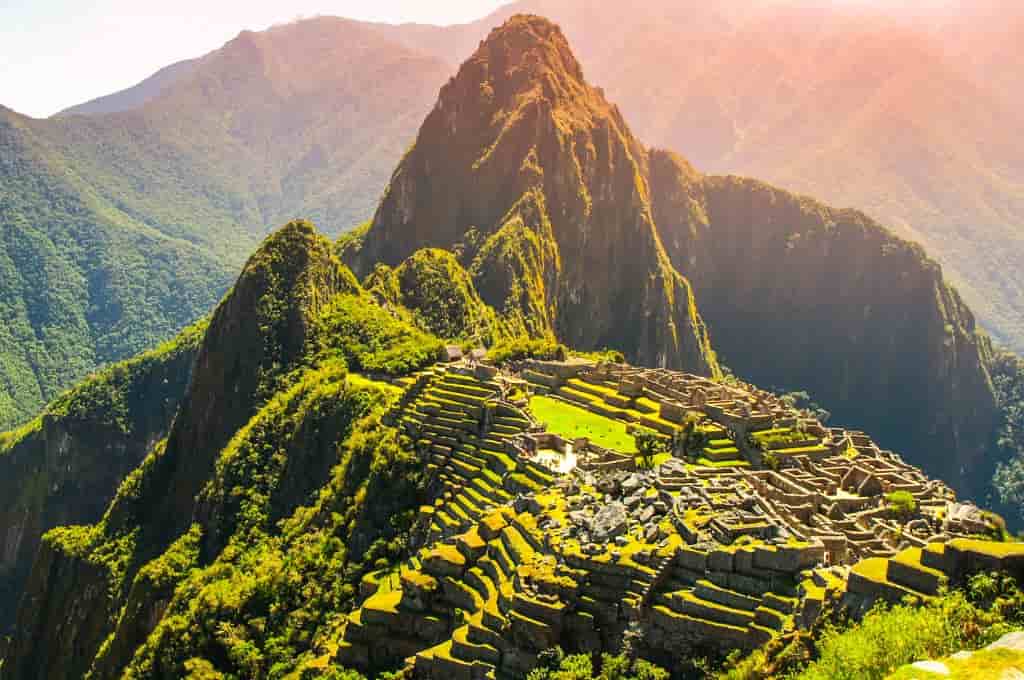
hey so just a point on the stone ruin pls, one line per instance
(736, 539)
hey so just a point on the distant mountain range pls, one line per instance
(119, 228)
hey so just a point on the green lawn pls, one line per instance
(571, 421)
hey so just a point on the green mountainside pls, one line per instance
(301, 520)
(119, 229)
(64, 466)
(308, 486)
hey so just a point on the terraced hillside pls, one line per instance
(708, 551)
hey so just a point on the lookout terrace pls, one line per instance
(578, 502)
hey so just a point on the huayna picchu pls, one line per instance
(487, 435)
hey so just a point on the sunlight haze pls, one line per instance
(94, 48)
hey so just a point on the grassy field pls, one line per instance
(571, 421)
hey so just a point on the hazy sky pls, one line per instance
(56, 53)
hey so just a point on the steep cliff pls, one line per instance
(64, 466)
(801, 296)
(538, 179)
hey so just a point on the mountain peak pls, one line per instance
(526, 59)
(539, 182)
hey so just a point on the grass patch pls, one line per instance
(572, 421)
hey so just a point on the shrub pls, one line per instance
(524, 347)
(890, 637)
(902, 502)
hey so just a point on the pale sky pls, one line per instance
(57, 53)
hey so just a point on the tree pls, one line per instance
(902, 502)
(650, 444)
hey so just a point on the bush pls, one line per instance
(890, 637)
(372, 339)
(523, 347)
(902, 502)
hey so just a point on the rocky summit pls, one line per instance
(537, 180)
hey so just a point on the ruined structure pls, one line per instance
(758, 515)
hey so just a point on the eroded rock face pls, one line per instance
(800, 295)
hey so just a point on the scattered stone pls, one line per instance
(610, 485)
(647, 514)
(673, 467)
(651, 533)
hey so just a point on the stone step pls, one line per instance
(723, 596)
(933, 556)
(456, 393)
(786, 605)
(472, 510)
(690, 603)
(759, 634)
(770, 618)
(905, 569)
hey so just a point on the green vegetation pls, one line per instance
(555, 665)
(650, 445)
(256, 610)
(442, 298)
(523, 347)
(1008, 481)
(107, 397)
(890, 637)
(902, 502)
(373, 340)
(572, 421)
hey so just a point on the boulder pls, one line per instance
(631, 484)
(609, 522)
(673, 467)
